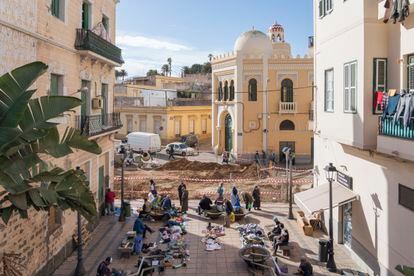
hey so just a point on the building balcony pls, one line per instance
(287, 108)
(395, 139)
(91, 44)
(94, 125)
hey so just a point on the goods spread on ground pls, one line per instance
(211, 237)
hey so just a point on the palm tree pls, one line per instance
(123, 74)
(164, 69)
(210, 57)
(169, 60)
(27, 136)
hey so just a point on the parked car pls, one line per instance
(144, 142)
(180, 149)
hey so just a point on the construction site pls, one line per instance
(203, 178)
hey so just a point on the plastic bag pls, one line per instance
(232, 217)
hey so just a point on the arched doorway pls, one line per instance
(228, 133)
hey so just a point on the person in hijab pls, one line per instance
(256, 197)
(234, 197)
(184, 200)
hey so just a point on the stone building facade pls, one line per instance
(262, 97)
(76, 40)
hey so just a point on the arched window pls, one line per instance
(226, 90)
(287, 91)
(287, 125)
(220, 91)
(253, 90)
(231, 91)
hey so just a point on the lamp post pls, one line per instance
(122, 213)
(288, 153)
(80, 269)
(330, 171)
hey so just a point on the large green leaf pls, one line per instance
(16, 111)
(15, 83)
(74, 139)
(7, 135)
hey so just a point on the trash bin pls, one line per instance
(127, 207)
(323, 250)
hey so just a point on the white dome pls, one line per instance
(253, 42)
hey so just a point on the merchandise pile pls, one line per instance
(251, 234)
(211, 237)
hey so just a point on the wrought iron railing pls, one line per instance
(97, 124)
(388, 127)
(88, 40)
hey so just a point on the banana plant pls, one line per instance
(28, 135)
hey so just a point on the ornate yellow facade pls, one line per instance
(262, 97)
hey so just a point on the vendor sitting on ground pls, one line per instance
(281, 240)
(305, 267)
(276, 231)
(146, 209)
(204, 204)
(166, 203)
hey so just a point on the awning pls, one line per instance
(316, 199)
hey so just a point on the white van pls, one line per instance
(147, 142)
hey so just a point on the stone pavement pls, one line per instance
(226, 261)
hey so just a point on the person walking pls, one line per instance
(264, 158)
(256, 197)
(257, 158)
(109, 201)
(171, 153)
(184, 199)
(248, 200)
(153, 189)
(229, 211)
(180, 192)
(220, 190)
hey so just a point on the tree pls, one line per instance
(152, 72)
(210, 57)
(169, 60)
(196, 68)
(117, 74)
(186, 70)
(206, 68)
(165, 69)
(123, 74)
(27, 135)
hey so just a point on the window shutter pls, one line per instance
(321, 13)
(410, 84)
(54, 85)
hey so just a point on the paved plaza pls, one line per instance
(226, 261)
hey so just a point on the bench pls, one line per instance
(303, 223)
(286, 249)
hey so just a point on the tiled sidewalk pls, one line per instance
(226, 261)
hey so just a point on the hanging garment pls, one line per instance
(385, 98)
(392, 105)
(378, 101)
(405, 108)
(387, 14)
(400, 10)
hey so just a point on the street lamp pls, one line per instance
(80, 269)
(330, 171)
(124, 154)
(288, 153)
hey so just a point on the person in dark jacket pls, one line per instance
(103, 268)
(180, 192)
(166, 203)
(184, 199)
(171, 153)
(283, 239)
(204, 204)
(256, 197)
(305, 267)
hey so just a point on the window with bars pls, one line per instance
(410, 79)
(253, 90)
(325, 7)
(287, 91)
(204, 126)
(350, 87)
(379, 83)
(329, 90)
(58, 9)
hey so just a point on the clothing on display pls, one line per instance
(405, 108)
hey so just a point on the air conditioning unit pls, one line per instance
(97, 103)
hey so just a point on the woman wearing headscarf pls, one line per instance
(184, 199)
(256, 197)
(234, 197)
(248, 200)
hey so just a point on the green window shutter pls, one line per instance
(105, 23)
(85, 16)
(55, 8)
(54, 85)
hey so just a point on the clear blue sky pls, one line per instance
(150, 31)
